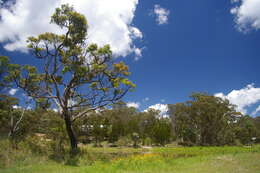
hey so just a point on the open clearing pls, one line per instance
(158, 160)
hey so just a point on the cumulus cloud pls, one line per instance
(256, 111)
(162, 14)
(163, 108)
(247, 14)
(133, 104)
(110, 22)
(12, 91)
(243, 98)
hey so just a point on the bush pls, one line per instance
(58, 151)
(37, 145)
(73, 161)
(5, 154)
(124, 141)
(147, 141)
(10, 156)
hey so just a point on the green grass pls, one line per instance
(204, 151)
(158, 160)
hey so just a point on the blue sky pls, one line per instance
(200, 47)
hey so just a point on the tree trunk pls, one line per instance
(71, 134)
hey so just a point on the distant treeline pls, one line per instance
(203, 120)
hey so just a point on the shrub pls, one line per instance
(37, 145)
(124, 141)
(147, 141)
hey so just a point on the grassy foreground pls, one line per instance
(159, 160)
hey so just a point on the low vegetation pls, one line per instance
(160, 159)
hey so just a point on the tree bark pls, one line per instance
(71, 134)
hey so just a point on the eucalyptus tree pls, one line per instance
(204, 120)
(76, 76)
(7, 117)
(214, 119)
(16, 123)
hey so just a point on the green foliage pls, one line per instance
(4, 63)
(95, 126)
(246, 130)
(37, 145)
(66, 17)
(16, 124)
(161, 132)
(256, 122)
(204, 120)
(122, 121)
(124, 141)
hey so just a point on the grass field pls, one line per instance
(155, 160)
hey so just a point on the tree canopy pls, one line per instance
(76, 76)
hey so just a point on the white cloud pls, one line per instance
(133, 104)
(136, 33)
(256, 111)
(162, 14)
(110, 22)
(20, 107)
(163, 100)
(146, 99)
(247, 14)
(243, 98)
(12, 91)
(138, 53)
(163, 108)
(71, 103)
(55, 110)
(17, 107)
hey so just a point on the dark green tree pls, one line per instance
(161, 132)
(147, 121)
(16, 123)
(204, 120)
(4, 62)
(123, 121)
(97, 127)
(8, 119)
(246, 129)
(256, 121)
